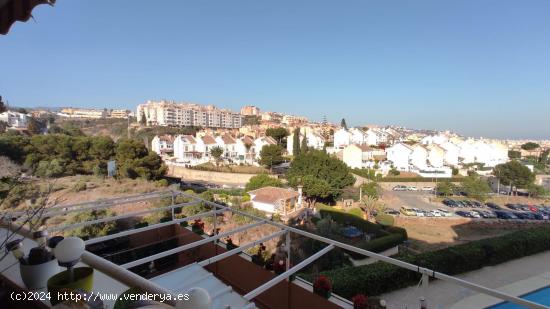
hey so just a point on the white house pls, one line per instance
(399, 155)
(342, 138)
(377, 136)
(14, 119)
(285, 202)
(163, 145)
(436, 155)
(185, 150)
(358, 136)
(259, 143)
(245, 149)
(313, 140)
(419, 156)
(361, 156)
(451, 153)
(205, 144)
(229, 146)
(434, 139)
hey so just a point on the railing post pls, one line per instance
(287, 246)
(425, 283)
(173, 215)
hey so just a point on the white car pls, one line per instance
(419, 213)
(444, 213)
(475, 214)
(427, 189)
(412, 188)
(436, 213)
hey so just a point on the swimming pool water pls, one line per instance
(541, 296)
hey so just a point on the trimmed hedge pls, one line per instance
(419, 179)
(384, 219)
(349, 219)
(380, 277)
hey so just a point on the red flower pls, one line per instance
(322, 284)
(359, 301)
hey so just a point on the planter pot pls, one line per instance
(323, 293)
(36, 276)
(83, 279)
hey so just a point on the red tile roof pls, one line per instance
(272, 194)
(208, 140)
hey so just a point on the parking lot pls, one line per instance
(420, 202)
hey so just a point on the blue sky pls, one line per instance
(479, 67)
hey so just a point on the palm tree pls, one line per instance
(369, 204)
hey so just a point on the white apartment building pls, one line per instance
(84, 113)
(250, 110)
(169, 113)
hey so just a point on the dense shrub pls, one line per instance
(380, 277)
(350, 219)
(384, 219)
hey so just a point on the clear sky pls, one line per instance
(478, 67)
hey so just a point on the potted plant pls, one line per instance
(322, 287)
(198, 227)
(39, 265)
(229, 245)
(258, 258)
(68, 253)
(360, 301)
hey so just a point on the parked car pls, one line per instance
(477, 204)
(407, 211)
(505, 215)
(444, 213)
(400, 188)
(427, 189)
(435, 213)
(462, 213)
(419, 212)
(493, 206)
(513, 206)
(524, 215)
(392, 212)
(412, 188)
(533, 208)
(449, 202)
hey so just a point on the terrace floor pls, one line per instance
(443, 294)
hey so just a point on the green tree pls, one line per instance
(330, 172)
(476, 187)
(142, 119)
(217, 153)
(536, 190)
(296, 142)
(445, 188)
(514, 154)
(530, 146)
(3, 107)
(514, 174)
(370, 189)
(315, 188)
(343, 124)
(271, 155)
(94, 230)
(34, 126)
(48, 169)
(261, 181)
(303, 147)
(134, 160)
(279, 134)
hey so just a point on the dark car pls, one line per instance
(464, 214)
(477, 204)
(505, 215)
(392, 212)
(449, 202)
(513, 206)
(493, 206)
(525, 215)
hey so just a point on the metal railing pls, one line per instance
(123, 275)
